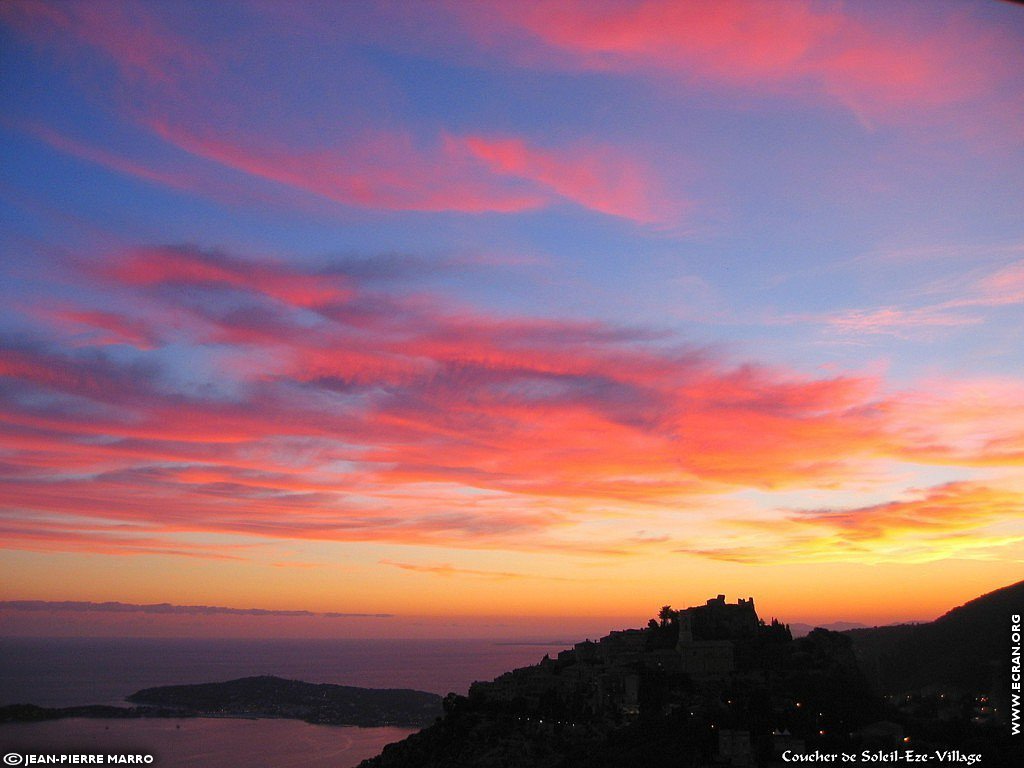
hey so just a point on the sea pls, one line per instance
(63, 672)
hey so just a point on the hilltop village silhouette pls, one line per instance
(715, 685)
(604, 676)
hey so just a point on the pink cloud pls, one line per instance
(882, 68)
(359, 416)
(103, 328)
(48, 536)
(127, 34)
(387, 172)
(599, 179)
(977, 422)
(110, 160)
(186, 266)
(729, 41)
(473, 174)
(898, 322)
(154, 173)
(1004, 287)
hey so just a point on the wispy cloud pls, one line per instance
(110, 160)
(903, 323)
(954, 303)
(1004, 287)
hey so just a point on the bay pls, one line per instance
(61, 672)
(203, 742)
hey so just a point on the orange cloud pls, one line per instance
(961, 520)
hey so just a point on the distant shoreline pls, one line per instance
(59, 713)
(256, 698)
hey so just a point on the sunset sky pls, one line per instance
(507, 318)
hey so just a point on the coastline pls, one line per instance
(214, 742)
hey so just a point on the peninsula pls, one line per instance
(264, 696)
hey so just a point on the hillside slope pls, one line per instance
(966, 648)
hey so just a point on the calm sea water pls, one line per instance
(69, 671)
(203, 743)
